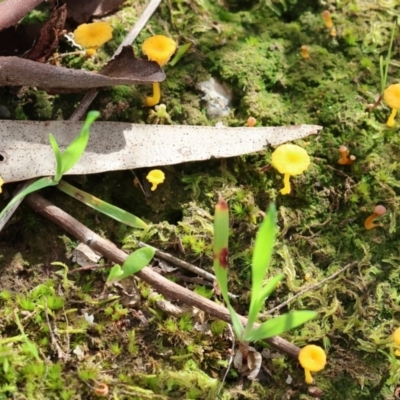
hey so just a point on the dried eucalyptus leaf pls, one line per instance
(124, 69)
(25, 151)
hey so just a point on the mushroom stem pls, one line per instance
(326, 15)
(345, 159)
(369, 222)
(286, 182)
(309, 378)
(390, 121)
(155, 99)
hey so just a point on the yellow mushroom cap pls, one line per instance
(93, 35)
(1, 182)
(391, 95)
(155, 177)
(290, 159)
(159, 48)
(312, 358)
(396, 336)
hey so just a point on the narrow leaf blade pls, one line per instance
(37, 185)
(281, 324)
(221, 235)
(262, 253)
(269, 288)
(102, 206)
(237, 324)
(57, 154)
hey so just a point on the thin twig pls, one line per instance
(308, 289)
(158, 282)
(180, 263)
(140, 24)
(79, 113)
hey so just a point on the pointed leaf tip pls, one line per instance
(222, 204)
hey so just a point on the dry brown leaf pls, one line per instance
(249, 367)
(83, 11)
(25, 151)
(47, 42)
(124, 69)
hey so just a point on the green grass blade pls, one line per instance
(136, 261)
(182, 50)
(75, 150)
(221, 235)
(384, 67)
(106, 208)
(236, 323)
(37, 185)
(268, 288)
(279, 325)
(57, 154)
(262, 253)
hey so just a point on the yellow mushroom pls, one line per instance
(158, 48)
(155, 177)
(391, 95)
(1, 183)
(290, 160)
(313, 359)
(396, 339)
(91, 36)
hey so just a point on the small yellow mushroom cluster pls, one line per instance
(391, 95)
(396, 339)
(158, 48)
(289, 160)
(92, 36)
(155, 177)
(313, 359)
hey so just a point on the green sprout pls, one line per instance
(259, 293)
(132, 264)
(65, 161)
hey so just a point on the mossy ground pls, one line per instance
(143, 353)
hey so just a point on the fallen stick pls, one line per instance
(167, 288)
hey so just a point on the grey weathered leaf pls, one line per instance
(124, 69)
(25, 151)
